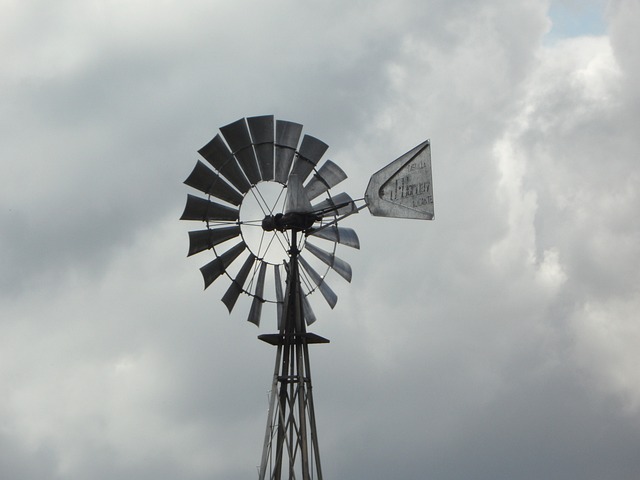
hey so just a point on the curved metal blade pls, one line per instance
(237, 136)
(214, 269)
(309, 154)
(279, 295)
(261, 129)
(235, 289)
(328, 294)
(339, 265)
(287, 136)
(258, 300)
(204, 179)
(217, 154)
(327, 177)
(340, 204)
(200, 209)
(343, 235)
(297, 201)
(309, 316)
(200, 240)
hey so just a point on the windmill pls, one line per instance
(269, 200)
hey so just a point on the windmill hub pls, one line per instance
(299, 222)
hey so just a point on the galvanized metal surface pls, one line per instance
(328, 294)
(297, 201)
(403, 189)
(309, 314)
(279, 295)
(200, 209)
(328, 176)
(204, 179)
(237, 285)
(256, 305)
(201, 240)
(262, 136)
(340, 204)
(238, 138)
(343, 235)
(288, 156)
(309, 154)
(217, 267)
(218, 155)
(287, 137)
(339, 265)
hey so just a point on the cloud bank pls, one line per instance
(499, 341)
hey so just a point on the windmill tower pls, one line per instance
(259, 205)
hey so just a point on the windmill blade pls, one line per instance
(237, 136)
(200, 209)
(217, 267)
(327, 177)
(217, 154)
(309, 154)
(279, 295)
(340, 204)
(339, 265)
(297, 201)
(200, 240)
(328, 294)
(287, 137)
(258, 300)
(283, 310)
(204, 179)
(342, 235)
(237, 285)
(307, 311)
(261, 129)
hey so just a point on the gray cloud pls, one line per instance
(498, 341)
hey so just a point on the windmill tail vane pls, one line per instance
(268, 201)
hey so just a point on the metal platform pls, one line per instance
(298, 338)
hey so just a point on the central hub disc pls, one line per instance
(299, 222)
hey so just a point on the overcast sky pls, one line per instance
(500, 341)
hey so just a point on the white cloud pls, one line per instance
(607, 337)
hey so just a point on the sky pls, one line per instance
(498, 341)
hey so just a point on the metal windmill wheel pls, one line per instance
(254, 194)
(269, 200)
